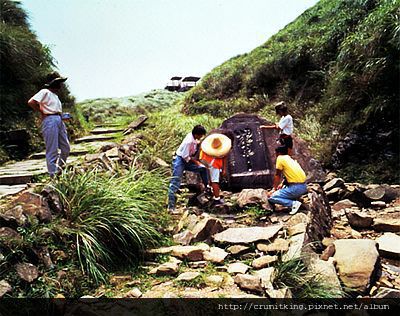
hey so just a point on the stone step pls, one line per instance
(105, 130)
(95, 138)
(10, 180)
(11, 189)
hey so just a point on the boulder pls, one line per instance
(246, 235)
(215, 255)
(389, 245)
(356, 261)
(237, 267)
(278, 245)
(359, 219)
(249, 282)
(263, 261)
(387, 224)
(27, 271)
(205, 228)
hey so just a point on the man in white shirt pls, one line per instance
(46, 102)
(185, 160)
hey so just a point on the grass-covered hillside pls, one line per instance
(337, 66)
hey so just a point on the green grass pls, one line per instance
(302, 283)
(112, 219)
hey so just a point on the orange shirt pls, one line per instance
(217, 163)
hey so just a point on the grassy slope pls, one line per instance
(337, 67)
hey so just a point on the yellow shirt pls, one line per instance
(290, 169)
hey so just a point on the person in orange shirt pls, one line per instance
(213, 154)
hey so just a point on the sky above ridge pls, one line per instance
(115, 48)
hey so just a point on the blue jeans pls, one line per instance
(55, 137)
(178, 166)
(287, 195)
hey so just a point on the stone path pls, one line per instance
(14, 176)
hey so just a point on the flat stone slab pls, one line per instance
(389, 245)
(11, 189)
(15, 179)
(100, 130)
(94, 138)
(246, 235)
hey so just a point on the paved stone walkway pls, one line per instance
(14, 176)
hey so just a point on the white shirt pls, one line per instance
(286, 125)
(188, 147)
(49, 101)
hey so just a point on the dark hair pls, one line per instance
(281, 150)
(199, 130)
(281, 108)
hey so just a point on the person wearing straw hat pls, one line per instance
(184, 160)
(214, 152)
(46, 102)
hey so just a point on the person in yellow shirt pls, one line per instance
(295, 177)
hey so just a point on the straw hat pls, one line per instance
(216, 145)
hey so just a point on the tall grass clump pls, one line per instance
(302, 282)
(110, 220)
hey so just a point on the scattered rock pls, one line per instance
(343, 204)
(263, 261)
(385, 292)
(187, 276)
(246, 235)
(278, 245)
(378, 204)
(298, 218)
(249, 282)
(334, 183)
(381, 193)
(356, 262)
(297, 229)
(7, 233)
(183, 238)
(237, 249)
(359, 219)
(53, 199)
(197, 264)
(214, 280)
(215, 255)
(27, 271)
(206, 228)
(328, 252)
(281, 293)
(5, 287)
(389, 245)
(267, 276)
(253, 196)
(116, 280)
(326, 272)
(168, 268)
(15, 214)
(190, 253)
(134, 293)
(295, 247)
(237, 267)
(387, 225)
